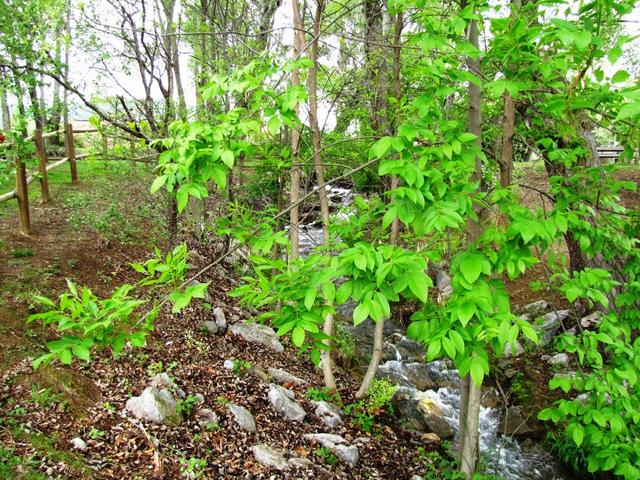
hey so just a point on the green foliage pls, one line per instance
(326, 455)
(377, 401)
(22, 253)
(86, 322)
(192, 468)
(324, 394)
(202, 152)
(241, 367)
(187, 405)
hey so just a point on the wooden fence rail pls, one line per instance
(21, 192)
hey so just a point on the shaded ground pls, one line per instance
(90, 235)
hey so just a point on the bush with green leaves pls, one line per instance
(86, 322)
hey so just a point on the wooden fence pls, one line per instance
(21, 192)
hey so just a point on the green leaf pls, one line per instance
(467, 137)
(227, 158)
(471, 267)
(465, 311)
(274, 124)
(65, 356)
(310, 297)
(82, 352)
(578, 434)
(620, 76)
(380, 148)
(477, 372)
(629, 110)
(297, 336)
(360, 314)
(419, 283)
(158, 183)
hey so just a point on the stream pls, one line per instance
(504, 456)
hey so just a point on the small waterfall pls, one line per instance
(503, 456)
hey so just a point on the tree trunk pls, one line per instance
(471, 393)
(312, 85)
(4, 105)
(506, 152)
(375, 75)
(294, 193)
(469, 435)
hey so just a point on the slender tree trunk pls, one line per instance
(471, 393)
(65, 70)
(294, 193)
(182, 104)
(505, 160)
(4, 104)
(376, 78)
(312, 85)
(378, 334)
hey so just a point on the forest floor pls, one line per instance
(90, 233)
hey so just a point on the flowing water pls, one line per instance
(504, 456)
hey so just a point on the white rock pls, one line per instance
(591, 320)
(228, 365)
(328, 413)
(337, 445)
(243, 417)
(282, 376)
(283, 401)
(220, 319)
(300, 462)
(79, 444)
(519, 350)
(256, 333)
(559, 359)
(157, 406)
(270, 457)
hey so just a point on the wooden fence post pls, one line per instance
(22, 195)
(71, 151)
(42, 165)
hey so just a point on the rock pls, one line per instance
(340, 447)
(211, 327)
(283, 401)
(591, 320)
(513, 422)
(419, 412)
(559, 359)
(228, 365)
(416, 477)
(415, 374)
(518, 350)
(549, 325)
(157, 406)
(300, 462)
(535, 309)
(431, 437)
(443, 283)
(256, 333)
(196, 258)
(162, 380)
(409, 350)
(199, 398)
(79, 444)
(220, 320)
(243, 417)
(328, 413)
(208, 415)
(282, 376)
(270, 457)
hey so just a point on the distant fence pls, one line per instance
(21, 192)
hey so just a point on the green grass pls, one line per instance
(98, 204)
